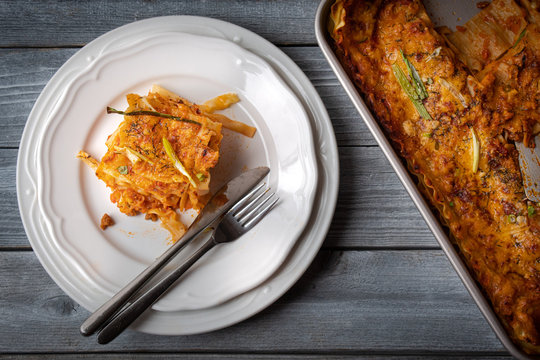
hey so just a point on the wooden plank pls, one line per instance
(61, 23)
(373, 208)
(349, 128)
(165, 355)
(353, 302)
(25, 72)
(12, 232)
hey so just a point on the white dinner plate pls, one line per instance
(61, 201)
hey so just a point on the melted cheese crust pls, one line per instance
(495, 227)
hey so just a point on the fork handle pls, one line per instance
(109, 308)
(135, 309)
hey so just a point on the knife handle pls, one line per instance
(109, 308)
(134, 310)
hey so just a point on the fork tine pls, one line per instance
(254, 208)
(249, 206)
(252, 222)
(245, 199)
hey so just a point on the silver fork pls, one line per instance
(241, 218)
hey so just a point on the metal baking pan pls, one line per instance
(439, 12)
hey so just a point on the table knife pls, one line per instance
(221, 202)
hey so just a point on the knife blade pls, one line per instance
(221, 202)
(529, 164)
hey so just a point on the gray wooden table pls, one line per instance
(379, 288)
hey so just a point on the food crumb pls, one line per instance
(482, 4)
(152, 217)
(106, 221)
(220, 199)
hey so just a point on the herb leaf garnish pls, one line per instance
(111, 110)
(416, 90)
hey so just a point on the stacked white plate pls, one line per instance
(61, 200)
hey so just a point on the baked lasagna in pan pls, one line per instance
(453, 104)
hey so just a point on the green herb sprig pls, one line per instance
(416, 81)
(521, 35)
(111, 110)
(176, 161)
(476, 151)
(123, 169)
(414, 88)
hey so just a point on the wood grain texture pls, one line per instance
(373, 208)
(75, 23)
(25, 72)
(11, 229)
(23, 75)
(352, 302)
(252, 356)
(361, 298)
(349, 128)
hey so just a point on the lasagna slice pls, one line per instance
(159, 158)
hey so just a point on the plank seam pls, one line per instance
(77, 46)
(358, 146)
(16, 248)
(324, 248)
(33, 47)
(380, 248)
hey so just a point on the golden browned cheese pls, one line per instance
(496, 228)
